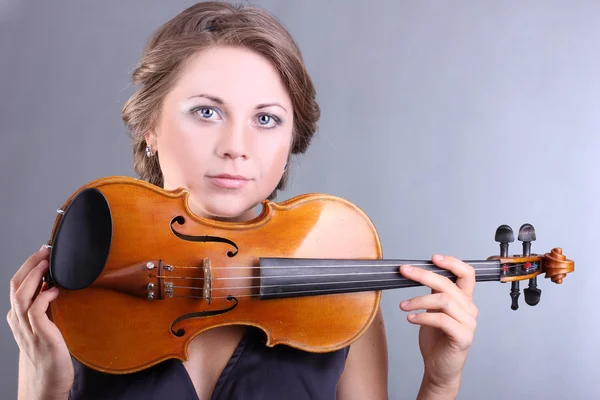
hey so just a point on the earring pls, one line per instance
(148, 151)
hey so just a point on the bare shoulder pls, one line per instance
(366, 373)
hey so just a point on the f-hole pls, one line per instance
(202, 314)
(205, 238)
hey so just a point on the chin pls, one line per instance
(233, 209)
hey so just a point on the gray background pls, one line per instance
(441, 120)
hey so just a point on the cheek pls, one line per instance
(182, 156)
(273, 158)
(178, 134)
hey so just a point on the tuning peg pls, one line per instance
(504, 235)
(526, 235)
(532, 293)
(514, 295)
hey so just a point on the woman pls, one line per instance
(224, 101)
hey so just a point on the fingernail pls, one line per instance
(43, 247)
(408, 268)
(438, 257)
(404, 303)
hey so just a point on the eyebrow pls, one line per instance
(258, 107)
(218, 100)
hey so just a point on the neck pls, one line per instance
(293, 277)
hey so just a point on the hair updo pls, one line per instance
(201, 26)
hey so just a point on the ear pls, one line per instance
(150, 138)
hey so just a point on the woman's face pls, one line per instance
(225, 132)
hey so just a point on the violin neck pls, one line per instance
(295, 277)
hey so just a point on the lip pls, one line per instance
(228, 181)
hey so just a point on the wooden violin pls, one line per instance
(140, 275)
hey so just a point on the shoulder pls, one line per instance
(366, 372)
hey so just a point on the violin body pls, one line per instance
(140, 275)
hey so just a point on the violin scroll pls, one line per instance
(527, 266)
(557, 266)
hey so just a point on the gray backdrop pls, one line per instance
(442, 121)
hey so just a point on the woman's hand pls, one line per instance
(45, 366)
(448, 326)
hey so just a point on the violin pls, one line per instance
(140, 275)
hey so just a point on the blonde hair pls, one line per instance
(199, 27)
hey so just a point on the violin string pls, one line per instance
(442, 272)
(298, 292)
(304, 284)
(367, 264)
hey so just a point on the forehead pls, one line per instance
(236, 75)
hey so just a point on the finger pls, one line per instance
(40, 323)
(458, 333)
(437, 282)
(440, 302)
(29, 264)
(27, 291)
(464, 272)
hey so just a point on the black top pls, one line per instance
(254, 371)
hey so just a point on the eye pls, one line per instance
(268, 121)
(205, 113)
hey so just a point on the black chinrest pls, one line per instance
(82, 241)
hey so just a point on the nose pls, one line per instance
(232, 141)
